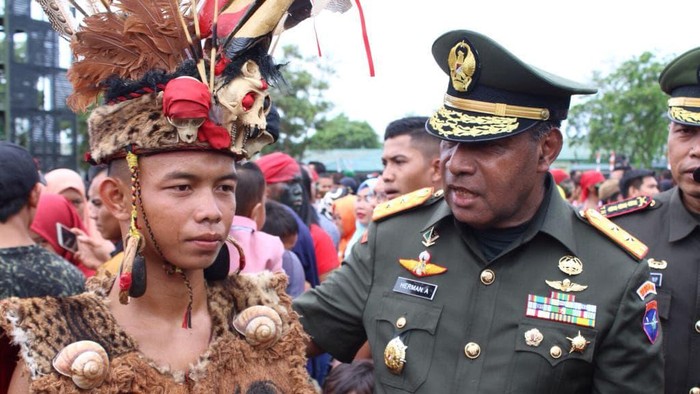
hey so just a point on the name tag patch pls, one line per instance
(415, 288)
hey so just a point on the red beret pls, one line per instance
(278, 167)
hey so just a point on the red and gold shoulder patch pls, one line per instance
(403, 203)
(621, 237)
(626, 206)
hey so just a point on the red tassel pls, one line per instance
(187, 319)
(365, 38)
(125, 281)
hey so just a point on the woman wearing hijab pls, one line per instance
(367, 199)
(52, 209)
(94, 250)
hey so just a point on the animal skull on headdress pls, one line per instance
(186, 103)
(244, 103)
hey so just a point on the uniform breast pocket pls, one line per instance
(414, 323)
(552, 357)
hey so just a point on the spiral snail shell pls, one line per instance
(86, 362)
(261, 325)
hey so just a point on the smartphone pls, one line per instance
(66, 239)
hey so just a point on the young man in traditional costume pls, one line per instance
(178, 116)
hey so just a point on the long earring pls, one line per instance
(134, 243)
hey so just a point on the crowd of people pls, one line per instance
(468, 264)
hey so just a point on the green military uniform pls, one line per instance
(465, 329)
(673, 236)
(542, 303)
(672, 232)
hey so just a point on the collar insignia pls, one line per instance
(429, 237)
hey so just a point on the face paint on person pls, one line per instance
(289, 193)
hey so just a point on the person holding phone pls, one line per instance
(52, 226)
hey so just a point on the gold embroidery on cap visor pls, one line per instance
(683, 115)
(451, 123)
(462, 66)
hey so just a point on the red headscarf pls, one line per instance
(278, 167)
(52, 209)
(559, 175)
(588, 179)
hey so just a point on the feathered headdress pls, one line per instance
(174, 75)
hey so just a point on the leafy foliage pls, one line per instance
(301, 103)
(343, 133)
(627, 114)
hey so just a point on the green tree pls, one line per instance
(301, 102)
(627, 114)
(343, 133)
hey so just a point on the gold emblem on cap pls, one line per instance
(657, 264)
(566, 285)
(429, 237)
(533, 337)
(462, 64)
(578, 343)
(395, 355)
(570, 265)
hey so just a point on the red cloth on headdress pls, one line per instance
(559, 175)
(588, 179)
(52, 209)
(186, 97)
(278, 167)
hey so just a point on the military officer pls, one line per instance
(496, 285)
(670, 226)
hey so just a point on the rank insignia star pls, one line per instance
(422, 267)
(578, 343)
(429, 237)
(566, 285)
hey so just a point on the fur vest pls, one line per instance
(42, 327)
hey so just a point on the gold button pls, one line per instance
(694, 390)
(697, 328)
(487, 277)
(555, 352)
(400, 322)
(472, 350)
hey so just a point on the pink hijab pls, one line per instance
(62, 179)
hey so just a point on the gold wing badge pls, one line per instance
(462, 64)
(566, 285)
(422, 267)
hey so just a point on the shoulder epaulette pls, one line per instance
(621, 237)
(404, 202)
(624, 207)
